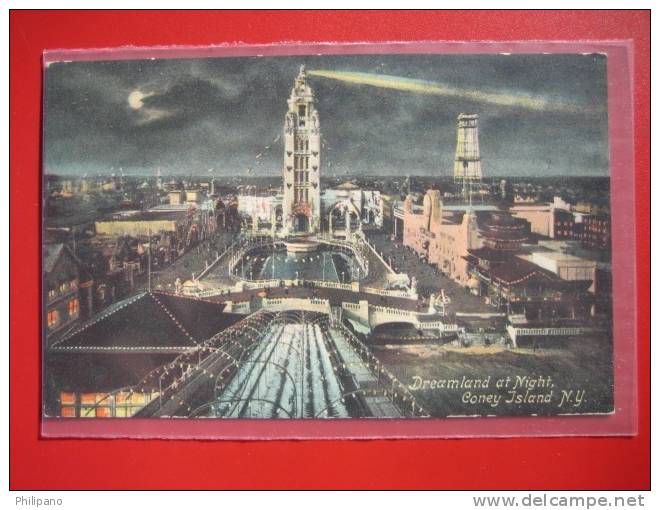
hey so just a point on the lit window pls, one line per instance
(53, 318)
(67, 398)
(74, 307)
(103, 412)
(68, 412)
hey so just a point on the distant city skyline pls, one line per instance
(381, 115)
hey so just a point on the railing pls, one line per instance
(276, 283)
(330, 285)
(389, 292)
(262, 284)
(217, 259)
(559, 331)
(243, 307)
(243, 250)
(413, 315)
(203, 293)
(439, 325)
(377, 253)
(514, 332)
(397, 391)
(352, 247)
(309, 304)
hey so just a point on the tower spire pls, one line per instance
(302, 148)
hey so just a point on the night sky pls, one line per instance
(539, 114)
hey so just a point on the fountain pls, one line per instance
(301, 245)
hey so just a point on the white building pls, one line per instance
(554, 256)
(367, 204)
(261, 207)
(302, 160)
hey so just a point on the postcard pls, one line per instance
(329, 237)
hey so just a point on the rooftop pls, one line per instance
(52, 253)
(517, 270)
(155, 320)
(490, 254)
(151, 215)
(170, 207)
(557, 255)
(118, 347)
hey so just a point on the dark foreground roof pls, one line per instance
(202, 318)
(517, 270)
(151, 320)
(522, 272)
(51, 255)
(118, 347)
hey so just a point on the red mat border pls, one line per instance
(511, 463)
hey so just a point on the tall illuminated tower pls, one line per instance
(467, 162)
(302, 158)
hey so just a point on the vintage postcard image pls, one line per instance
(327, 237)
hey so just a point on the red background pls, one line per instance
(566, 463)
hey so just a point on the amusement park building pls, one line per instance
(441, 238)
(302, 160)
(119, 348)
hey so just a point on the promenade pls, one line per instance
(429, 279)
